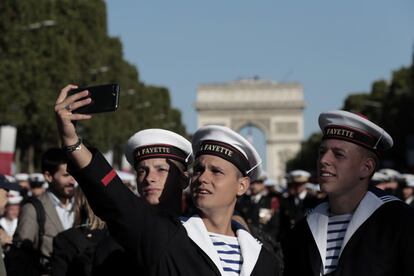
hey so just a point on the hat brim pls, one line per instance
(10, 186)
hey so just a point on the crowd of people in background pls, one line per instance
(203, 207)
(269, 210)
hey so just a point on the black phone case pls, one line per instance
(105, 98)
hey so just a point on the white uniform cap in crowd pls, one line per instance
(409, 179)
(391, 174)
(269, 182)
(407, 176)
(36, 180)
(14, 197)
(36, 177)
(299, 176)
(158, 143)
(379, 177)
(10, 178)
(344, 125)
(22, 177)
(410, 183)
(227, 144)
(7, 185)
(313, 187)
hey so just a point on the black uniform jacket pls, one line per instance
(261, 214)
(80, 251)
(292, 210)
(379, 240)
(161, 243)
(73, 251)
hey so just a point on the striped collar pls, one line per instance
(249, 246)
(319, 217)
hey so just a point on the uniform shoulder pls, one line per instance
(382, 195)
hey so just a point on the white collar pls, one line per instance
(409, 200)
(302, 195)
(249, 246)
(9, 226)
(319, 217)
(257, 197)
(56, 202)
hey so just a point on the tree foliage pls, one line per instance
(390, 105)
(45, 45)
(307, 156)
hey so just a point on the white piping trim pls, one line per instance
(188, 157)
(379, 139)
(254, 167)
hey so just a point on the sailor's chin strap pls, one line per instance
(171, 197)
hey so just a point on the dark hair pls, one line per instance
(52, 159)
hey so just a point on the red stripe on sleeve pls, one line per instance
(108, 177)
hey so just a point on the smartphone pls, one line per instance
(105, 98)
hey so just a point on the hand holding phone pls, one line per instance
(105, 98)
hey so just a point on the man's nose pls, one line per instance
(325, 158)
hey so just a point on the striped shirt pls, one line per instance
(228, 249)
(337, 226)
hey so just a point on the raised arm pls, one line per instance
(65, 119)
(131, 221)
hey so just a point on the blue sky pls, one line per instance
(333, 48)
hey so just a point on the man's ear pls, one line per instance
(368, 168)
(244, 184)
(48, 176)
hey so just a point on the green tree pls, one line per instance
(45, 45)
(389, 104)
(307, 156)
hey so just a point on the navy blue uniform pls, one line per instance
(159, 242)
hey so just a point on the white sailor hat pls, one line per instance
(10, 178)
(391, 174)
(14, 197)
(409, 180)
(299, 176)
(269, 182)
(379, 177)
(227, 144)
(410, 183)
(344, 125)
(7, 185)
(313, 187)
(158, 143)
(22, 177)
(36, 180)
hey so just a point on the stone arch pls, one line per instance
(239, 124)
(274, 108)
(255, 134)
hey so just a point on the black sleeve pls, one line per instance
(139, 228)
(300, 252)
(406, 243)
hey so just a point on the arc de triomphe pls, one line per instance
(275, 108)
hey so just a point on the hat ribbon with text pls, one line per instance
(159, 151)
(225, 151)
